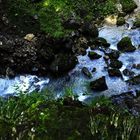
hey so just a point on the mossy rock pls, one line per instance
(101, 42)
(137, 23)
(94, 55)
(125, 45)
(116, 64)
(120, 21)
(128, 6)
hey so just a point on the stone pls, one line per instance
(125, 45)
(120, 21)
(89, 30)
(136, 66)
(86, 72)
(99, 84)
(137, 23)
(29, 37)
(114, 72)
(115, 64)
(106, 57)
(113, 54)
(134, 80)
(94, 70)
(94, 55)
(101, 42)
(62, 64)
(128, 6)
(128, 72)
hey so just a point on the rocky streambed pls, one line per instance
(90, 62)
(118, 71)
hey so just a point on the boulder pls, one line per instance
(124, 100)
(134, 80)
(99, 84)
(113, 54)
(120, 21)
(114, 72)
(128, 72)
(137, 23)
(136, 66)
(94, 70)
(62, 64)
(94, 55)
(89, 30)
(128, 6)
(125, 45)
(115, 64)
(86, 72)
(101, 42)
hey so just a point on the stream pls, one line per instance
(77, 81)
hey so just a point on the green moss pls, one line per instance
(51, 13)
(137, 23)
(128, 6)
(120, 21)
(125, 45)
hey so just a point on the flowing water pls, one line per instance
(77, 81)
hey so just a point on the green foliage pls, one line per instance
(51, 13)
(37, 116)
(128, 5)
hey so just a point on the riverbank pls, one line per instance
(38, 116)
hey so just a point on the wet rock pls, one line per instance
(114, 72)
(93, 55)
(86, 72)
(125, 45)
(128, 72)
(120, 21)
(136, 66)
(99, 84)
(113, 54)
(101, 42)
(94, 70)
(62, 64)
(134, 80)
(137, 23)
(115, 64)
(89, 30)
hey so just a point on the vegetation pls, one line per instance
(128, 5)
(39, 116)
(52, 13)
